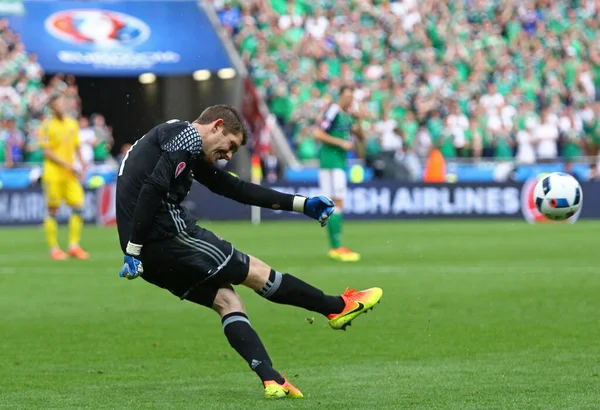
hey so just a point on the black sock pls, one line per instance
(289, 290)
(246, 342)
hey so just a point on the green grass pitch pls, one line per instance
(494, 315)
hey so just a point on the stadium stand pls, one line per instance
(23, 106)
(504, 80)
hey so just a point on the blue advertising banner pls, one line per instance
(367, 201)
(389, 200)
(28, 207)
(120, 38)
(381, 200)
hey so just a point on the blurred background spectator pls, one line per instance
(24, 93)
(474, 78)
(14, 142)
(87, 139)
(478, 79)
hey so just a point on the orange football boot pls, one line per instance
(58, 254)
(274, 390)
(356, 304)
(344, 254)
(77, 252)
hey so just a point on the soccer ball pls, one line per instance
(558, 196)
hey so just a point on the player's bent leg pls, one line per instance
(339, 185)
(244, 339)
(327, 188)
(334, 228)
(53, 193)
(289, 290)
(75, 198)
(51, 229)
(75, 228)
(227, 301)
(337, 251)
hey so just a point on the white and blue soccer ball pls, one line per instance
(558, 196)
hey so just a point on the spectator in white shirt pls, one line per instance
(525, 137)
(288, 20)
(570, 122)
(411, 17)
(508, 113)
(493, 101)
(32, 68)
(586, 80)
(422, 143)
(346, 39)
(525, 149)
(546, 136)
(495, 124)
(87, 141)
(570, 125)
(388, 133)
(458, 124)
(8, 92)
(317, 25)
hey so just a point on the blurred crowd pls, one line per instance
(24, 105)
(514, 80)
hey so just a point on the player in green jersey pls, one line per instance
(335, 133)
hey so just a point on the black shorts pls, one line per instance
(194, 265)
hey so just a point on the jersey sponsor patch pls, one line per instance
(179, 169)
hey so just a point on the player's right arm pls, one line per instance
(325, 138)
(223, 183)
(321, 132)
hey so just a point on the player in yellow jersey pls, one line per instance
(59, 138)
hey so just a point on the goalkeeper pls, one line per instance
(163, 244)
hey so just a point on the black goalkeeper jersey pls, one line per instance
(164, 158)
(156, 175)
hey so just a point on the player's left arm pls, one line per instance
(223, 183)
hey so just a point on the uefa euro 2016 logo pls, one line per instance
(97, 28)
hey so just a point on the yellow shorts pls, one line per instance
(67, 189)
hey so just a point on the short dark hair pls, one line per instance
(232, 120)
(345, 87)
(54, 97)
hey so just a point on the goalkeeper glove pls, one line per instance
(318, 207)
(132, 268)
